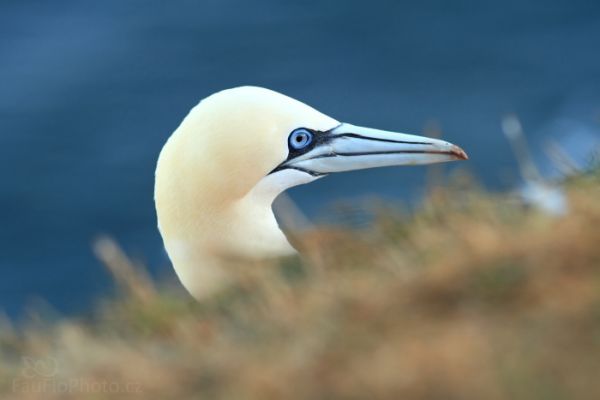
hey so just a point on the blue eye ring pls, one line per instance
(300, 138)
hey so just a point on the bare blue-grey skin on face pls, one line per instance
(219, 172)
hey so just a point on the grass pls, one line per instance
(471, 297)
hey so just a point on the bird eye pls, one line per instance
(300, 138)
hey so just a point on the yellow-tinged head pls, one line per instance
(219, 172)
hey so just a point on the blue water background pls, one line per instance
(90, 90)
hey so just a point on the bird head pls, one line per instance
(239, 138)
(220, 170)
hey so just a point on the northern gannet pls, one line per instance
(220, 171)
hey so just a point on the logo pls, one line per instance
(40, 375)
(41, 367)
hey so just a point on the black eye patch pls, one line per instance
(317, 138)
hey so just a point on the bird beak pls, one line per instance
(348, 147)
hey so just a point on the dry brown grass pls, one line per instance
(471, 298)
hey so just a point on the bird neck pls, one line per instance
(255, 232)
(205, 247)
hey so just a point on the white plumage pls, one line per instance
(220, 171)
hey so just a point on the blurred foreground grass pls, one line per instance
(473, 297)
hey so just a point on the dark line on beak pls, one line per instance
(307, 171)
(357, 136)
(374, 153)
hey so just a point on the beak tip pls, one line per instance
(459, 153)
